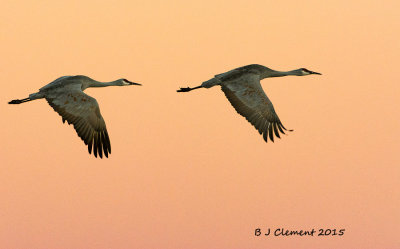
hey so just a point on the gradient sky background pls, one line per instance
(186, 171)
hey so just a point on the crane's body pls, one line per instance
(243, 89)
(67, 98)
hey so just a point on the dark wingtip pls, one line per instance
(108, 141)
(265, 136)
(95, 144)
(271, 133)
(90, 144)
(276, 131)
(280, 128)
(105, 143)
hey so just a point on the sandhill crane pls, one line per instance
(67, 98)
(243, 89)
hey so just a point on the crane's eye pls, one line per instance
(305, 70)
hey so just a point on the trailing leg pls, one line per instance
(187, 89)
(31, 97)
(20, 101)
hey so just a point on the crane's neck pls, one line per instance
(272, 73)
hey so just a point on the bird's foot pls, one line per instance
(15, 101)
(184, 89)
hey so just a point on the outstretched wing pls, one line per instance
(83, 112)
(249, 100)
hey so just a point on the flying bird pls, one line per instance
(243, 89)
(67, 98)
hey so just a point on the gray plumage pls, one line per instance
(65, 95)
(242, 88)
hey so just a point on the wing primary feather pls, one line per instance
(262, 127)
(108, 141)
(90, 143)
(276, 131)
(99, 145)
(85, 133)
(271, 134)
(280, 128)
(95, 143)
(104, 144)
(260, 124)
(265, 135)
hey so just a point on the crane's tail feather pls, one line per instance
(20, 101)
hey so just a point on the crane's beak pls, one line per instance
(315, 73)
(133, 83)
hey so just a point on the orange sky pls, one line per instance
(186, 171)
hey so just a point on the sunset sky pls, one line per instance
(186, 171)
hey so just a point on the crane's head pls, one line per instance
(125, 82)
(304, 71)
